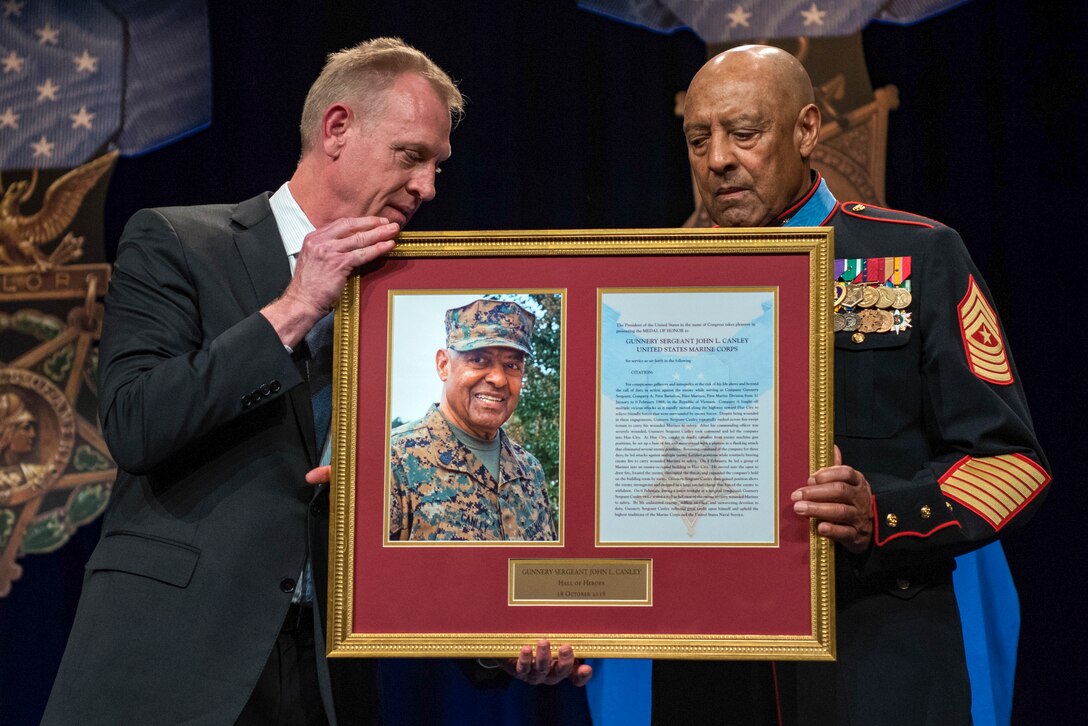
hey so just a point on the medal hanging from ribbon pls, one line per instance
(872, 296)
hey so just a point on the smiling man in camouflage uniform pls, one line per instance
(456, 475)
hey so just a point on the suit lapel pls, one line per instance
(257, 239)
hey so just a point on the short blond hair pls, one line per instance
(358, 76)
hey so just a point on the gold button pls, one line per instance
(926, 511)
(902, 583)
(858, 337)
(858, 207)
(949, 505)
(892, 520)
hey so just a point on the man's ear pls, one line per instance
(335, 123)
(442, 364)
(807, 131)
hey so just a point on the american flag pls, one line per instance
(79, 76)
(725, 21)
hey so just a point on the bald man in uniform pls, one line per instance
(935, 452)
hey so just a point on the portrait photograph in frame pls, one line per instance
(729, 331)
(464, 506)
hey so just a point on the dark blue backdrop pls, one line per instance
(570, 124)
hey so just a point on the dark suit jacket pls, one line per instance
(209, 419)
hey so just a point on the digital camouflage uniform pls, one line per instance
(442, 491)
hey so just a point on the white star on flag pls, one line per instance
(85, 62)
(12, 62)
(42, 147)
(814, 16)
(9, 118)
(13, 7)
(82, 118)
(738, 18)
(47, 90)
(48, 34)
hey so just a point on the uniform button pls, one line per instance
(926, 511)
(949, 505)
(858, 207)
(902, 583)
(858, 338)
(287, 584)
(266, 390)
(275, 386)
(892, 520)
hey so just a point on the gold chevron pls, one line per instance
(994, 487)
(982, 339)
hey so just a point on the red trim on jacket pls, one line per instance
(1012, 514)
(784, 217)
(906, 533)
(928, 224)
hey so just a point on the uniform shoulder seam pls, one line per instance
(908, 218)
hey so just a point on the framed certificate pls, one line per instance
(649, 399)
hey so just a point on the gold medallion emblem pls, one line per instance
(887, 321)
(55, 470)
(870, 321)
(869, 297)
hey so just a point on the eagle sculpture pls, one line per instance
(23, 237)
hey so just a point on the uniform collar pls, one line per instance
(813, 209)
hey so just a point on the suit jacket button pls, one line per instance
(287, 584)
(247, 401)
(902, 583)
(256, 393)
(266, 390)
(275, 386)
(316, 508)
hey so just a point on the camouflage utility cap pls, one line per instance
(486, 323)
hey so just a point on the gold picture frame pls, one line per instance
(772, 601)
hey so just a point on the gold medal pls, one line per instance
(885, 296)
(853, 295)
(869, 296)
(839, 323)
(870, 321)
(850, 322)
(886, 321)
(902, 298)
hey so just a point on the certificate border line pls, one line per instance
(775, 542)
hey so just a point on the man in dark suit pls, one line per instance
(198, 603)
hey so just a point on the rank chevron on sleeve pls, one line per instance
(982, 339)
(994, 487)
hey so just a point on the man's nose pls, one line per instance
(496, 375)
(422, 184)
(720, 156)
